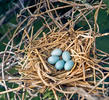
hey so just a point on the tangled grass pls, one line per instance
(87, 77)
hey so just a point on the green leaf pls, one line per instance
(36, 98)
(106, 2)
(103, 21)
(102, 43)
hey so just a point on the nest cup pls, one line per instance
(42, 75)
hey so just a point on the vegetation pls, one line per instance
(16, 20)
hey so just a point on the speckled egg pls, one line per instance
(68, 65)
(60, 65)
(56, 52)
(66, 56)
(53, 59)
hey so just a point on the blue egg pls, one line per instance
(68, 65)
(60, 65)
(66, 56)
(56, 52)
(53, 59)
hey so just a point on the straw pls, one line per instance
(37, 74)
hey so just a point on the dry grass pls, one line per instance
(86, 77)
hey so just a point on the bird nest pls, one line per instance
(36, 72)
(87, 76)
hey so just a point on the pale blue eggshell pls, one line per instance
(60, 65)
(66, 56)
(56, 52)
(53, 59)
(68, 65)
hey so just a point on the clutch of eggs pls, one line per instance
(64, 63)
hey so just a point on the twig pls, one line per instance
(11, 90)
